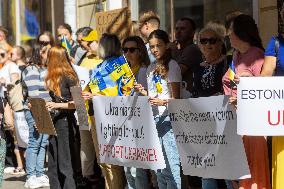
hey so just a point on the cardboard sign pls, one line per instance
(261, 106)
(126, 132)
(42, 117)
(115, 21)
(80, 108)
(206, 135)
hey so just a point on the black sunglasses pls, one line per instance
(2, 55)
(131, 49)
(211, 41)
(44, 43)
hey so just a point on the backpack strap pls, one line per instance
(276, 46)
(276, 50)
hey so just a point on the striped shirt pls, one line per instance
(34, 79)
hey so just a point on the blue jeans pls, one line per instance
(137, 178)
(35, 152)
(209, 183)
(168, 178)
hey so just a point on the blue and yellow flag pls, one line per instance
(158, 83)
(65, 43)
(112, 77)
(232, 73)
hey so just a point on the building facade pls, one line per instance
(27, 18)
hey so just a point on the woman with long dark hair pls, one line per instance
(33, 76)
(59, 79)
(137, 57)
(248, 59)
(164, 80)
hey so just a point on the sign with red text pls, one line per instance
(126, 132)
(205, 130)
(261, 106)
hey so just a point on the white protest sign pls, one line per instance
(261, 106)
(83, 75)
(206, 135)
(126, 132)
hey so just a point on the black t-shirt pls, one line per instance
(208, 79)
(190, 56)
(65, 84)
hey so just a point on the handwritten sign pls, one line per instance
(80, 107)
(126, 132)
(206, 135)
(83, 75)
(261, 106)
(115, 21)
(42, 117)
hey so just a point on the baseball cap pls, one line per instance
(93, 36)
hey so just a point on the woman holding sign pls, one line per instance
(108, 50)
(163, 79)
(59, 79)
(248, 59)
(137, 56)
(208, 78)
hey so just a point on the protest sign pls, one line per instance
(22, 129)
(83, 75)
(261, 106)
(115, 21)
(126, 132)
(80, 108)
(42, 117)
(206, 135)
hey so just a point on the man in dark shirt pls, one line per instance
(186, 52)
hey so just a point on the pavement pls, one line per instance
(15, 182)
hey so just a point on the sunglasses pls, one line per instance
(211, 41)
(131, 49)
(2, 55)
(44, 43)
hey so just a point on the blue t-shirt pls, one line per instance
(271, 51)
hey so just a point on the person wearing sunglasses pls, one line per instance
(137, 57)
(208, 78)
(45, 39)
(89, 42)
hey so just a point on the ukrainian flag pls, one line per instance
(232, 73)
(65, 43)
(158, 83)
(112, 77)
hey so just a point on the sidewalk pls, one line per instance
(15, 182)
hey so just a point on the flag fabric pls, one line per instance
(65, 43)
(232, 73)
(112, 77)
(158, 83)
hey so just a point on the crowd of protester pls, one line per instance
(194, 65)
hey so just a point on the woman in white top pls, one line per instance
(163, 79)
(9, 74)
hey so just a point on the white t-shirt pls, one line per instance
(6, 71)
(174, 75)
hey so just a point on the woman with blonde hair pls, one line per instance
(59, 79)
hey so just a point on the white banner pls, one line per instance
(83, 75)
(126, 131)
(206, 134)
(261, 106)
